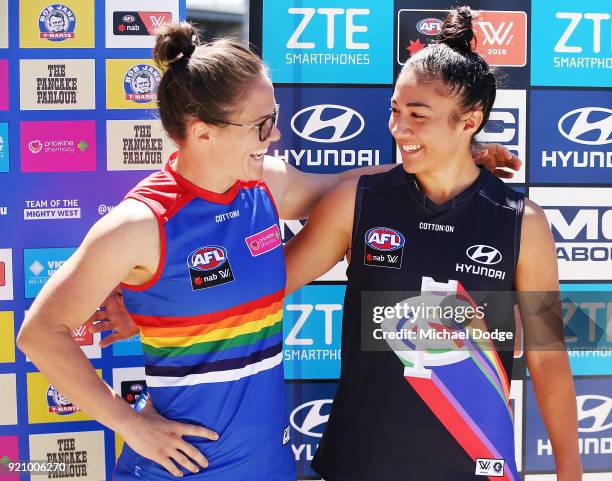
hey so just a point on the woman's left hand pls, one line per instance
(496, 158)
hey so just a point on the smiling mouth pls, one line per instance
(259, 154)
(411, 148)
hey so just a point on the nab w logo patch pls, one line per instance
(384, 247)
(208, 267)
(490, 467)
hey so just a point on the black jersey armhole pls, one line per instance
(518, 223)
(357, 211)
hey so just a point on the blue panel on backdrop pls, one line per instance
(327, 41)
(334, 129)
(128, 347)
(4, 148)
(40, 264)
(312, 326)
(308, 405)
(571, 136)
(587, 310)
(570, 43)
(594, 399)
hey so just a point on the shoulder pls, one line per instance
(498, 192)
(131, 221)
(534, 218)
(275, 172)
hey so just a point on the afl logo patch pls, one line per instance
(384, 247)
(140, 83)
(209, 266)
(56, 23)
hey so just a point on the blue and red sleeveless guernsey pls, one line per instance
(211, 328)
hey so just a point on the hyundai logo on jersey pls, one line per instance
(208, 267)
(384, 247)
(484, 254)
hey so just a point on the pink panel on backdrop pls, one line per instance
(66, 146)
(4, 85)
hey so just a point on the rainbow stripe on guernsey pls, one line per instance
(449, 392)
(211, 327)
(197, 347)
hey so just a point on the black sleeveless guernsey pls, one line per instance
(426, 416)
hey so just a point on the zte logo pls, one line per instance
(310, 418)
(299, 38)
(575, 18)
(587, 125)
(484, 254)
(306, 310)
(327, 123)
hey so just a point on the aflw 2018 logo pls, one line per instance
(384, 247)
(501, 36)
(208, 267)
(56, 23)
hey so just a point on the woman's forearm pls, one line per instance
(65, 366)
(554, 389)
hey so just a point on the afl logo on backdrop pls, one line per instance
(140, 83)
(56, 23)
(209, 266)
(384, 247)
(429, 26)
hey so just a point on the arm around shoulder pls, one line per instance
(325, 238)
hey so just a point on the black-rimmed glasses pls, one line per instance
(265, 126)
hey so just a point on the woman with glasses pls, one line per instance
(198, 250)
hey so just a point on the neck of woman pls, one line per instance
(205, 171)
(449, 179)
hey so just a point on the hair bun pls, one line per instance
(457, 30)
(175, 41)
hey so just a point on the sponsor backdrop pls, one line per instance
(78, 128)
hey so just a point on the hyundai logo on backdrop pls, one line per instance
(334, 129)
(581, 222)
(571, 137)
(576, 50)
(309, 406)
(327, 123)
(328, 42)
(594, 403)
